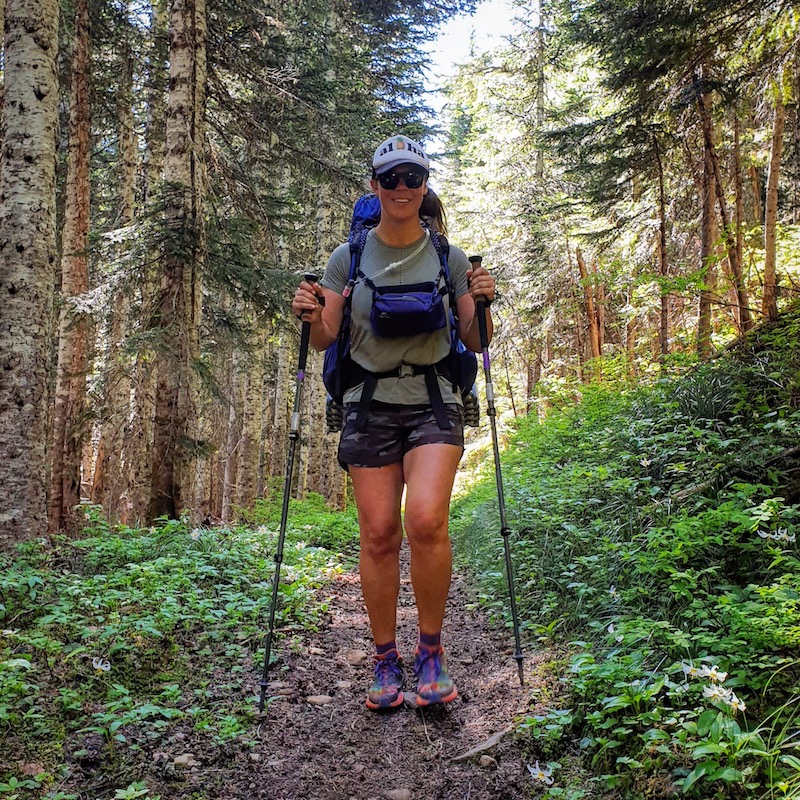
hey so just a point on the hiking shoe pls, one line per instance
(435, 684)
(387, 690)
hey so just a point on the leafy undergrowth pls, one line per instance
(655, 534)
(115, 641)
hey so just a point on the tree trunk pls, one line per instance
(663, 265)
(138, 445)
(232, 439)
(281, 409)
(769, 302)
(708, 236)
(730, 235)
(27, 262)
(110, 483)
(247, 470)
(758, 212)
(738, 205)
(69, 418)
(589, 306)
(178, 313)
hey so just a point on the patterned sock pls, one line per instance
(383, 649)
(430, 641)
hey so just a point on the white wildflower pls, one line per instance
(196, 534)
(716, 692)
(541, 773)
(101, 664)
(611, 628)
(765, 534)
(690, 670)
(645, 462)
(736, 703)
(10, 632)
(612, 590)
(713, 673)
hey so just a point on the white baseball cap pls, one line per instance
(399, 150)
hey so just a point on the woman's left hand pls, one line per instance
(481, 284)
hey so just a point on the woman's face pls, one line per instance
(399, 201)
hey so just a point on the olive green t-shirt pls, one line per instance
(381, 354)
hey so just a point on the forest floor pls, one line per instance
(340, 750)
(318, 740)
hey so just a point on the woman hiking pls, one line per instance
(401, 438)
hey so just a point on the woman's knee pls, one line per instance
(380, 541)
(426, 526)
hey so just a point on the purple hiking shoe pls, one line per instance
(387, 689)
(435, 684)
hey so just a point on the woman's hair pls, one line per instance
(432, 212)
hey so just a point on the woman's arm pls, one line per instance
(325, 319)
(481, 286)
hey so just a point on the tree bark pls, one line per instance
(232, 439)
(708, 236)
(178, 315)
(247, 483)
(69, 418)
(734, 258)
(738, 208)
(769, 302)
(663, 265)
(589, 306)
(27, 262)
(138, 445)
(110, 483)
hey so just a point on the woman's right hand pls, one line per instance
(306, 303)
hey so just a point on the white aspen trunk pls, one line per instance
(769, 301)
(231, 442)
(69, 425)
(27, 261)
(248, 466)
(279, 434)
(268, 391)
(173, 481)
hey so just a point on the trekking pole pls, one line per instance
(505, 531)
(294, 436)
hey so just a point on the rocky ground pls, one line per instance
(318, 740)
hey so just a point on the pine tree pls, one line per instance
(69, 414)
(27, 259)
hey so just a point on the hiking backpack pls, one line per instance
(340, 372)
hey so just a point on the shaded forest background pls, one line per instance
(630, 171)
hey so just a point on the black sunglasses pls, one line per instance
(412, 178)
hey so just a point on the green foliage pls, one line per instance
(122, 634)
(657, 529)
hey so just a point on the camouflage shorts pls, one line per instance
(392, 430)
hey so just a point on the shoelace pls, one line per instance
(429, 666)
(388, 672)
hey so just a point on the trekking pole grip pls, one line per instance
(480, 308)
(305, 332)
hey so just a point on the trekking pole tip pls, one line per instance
(519, 658)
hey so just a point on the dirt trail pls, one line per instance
(339, 750)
